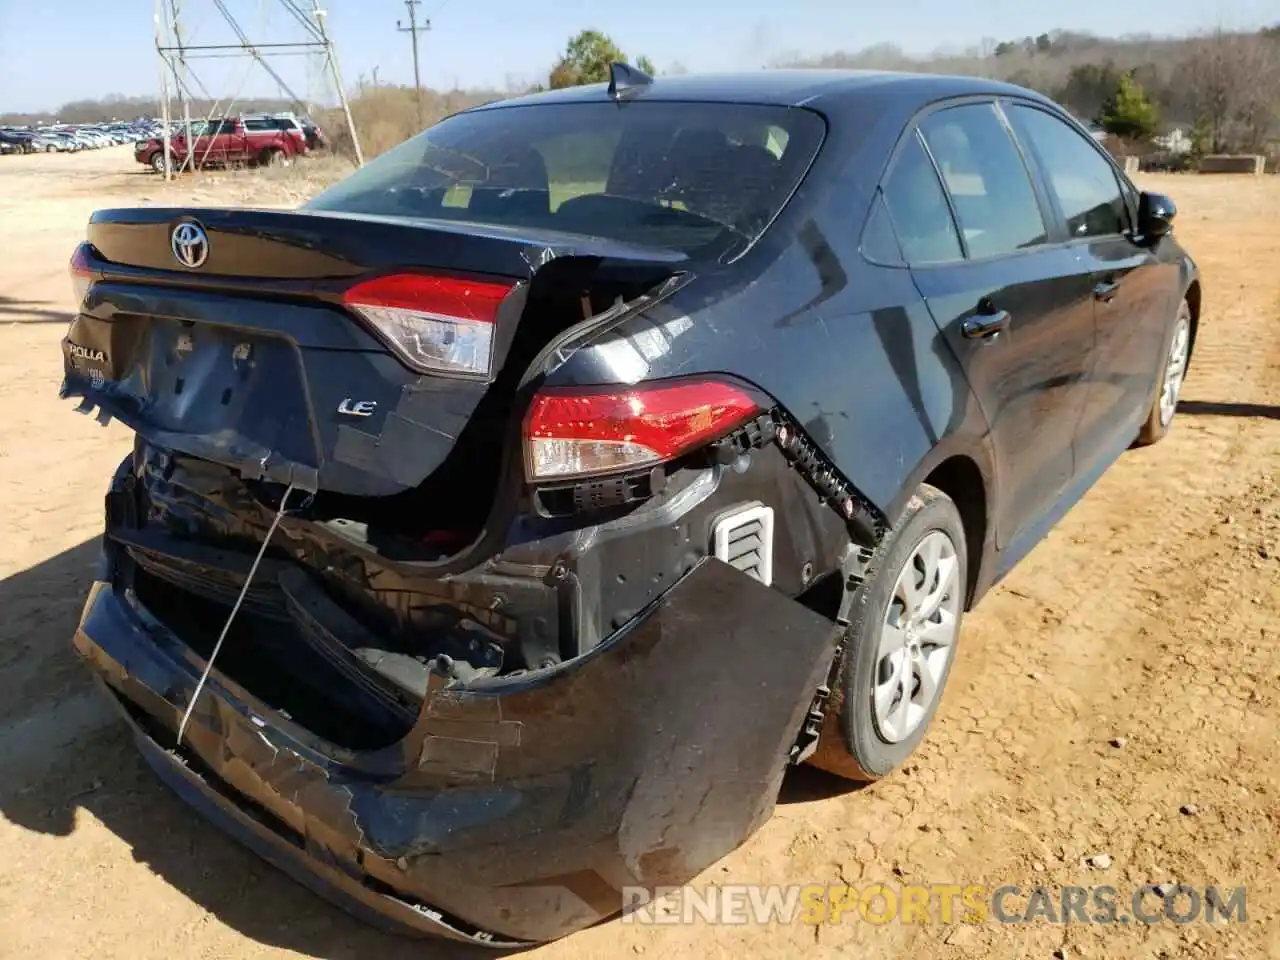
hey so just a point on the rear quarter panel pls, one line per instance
(848, 349)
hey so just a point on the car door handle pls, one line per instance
(986, 326)
(1106, 291)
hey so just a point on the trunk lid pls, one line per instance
(245, 353)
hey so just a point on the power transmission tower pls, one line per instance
(175, 50)
(414, 29)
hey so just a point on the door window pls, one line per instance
(986, 179)
(918, 208)
(1081, 180)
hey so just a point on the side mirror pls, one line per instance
(1155, 216)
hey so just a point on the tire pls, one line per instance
(157, 162)
(274, 157)
(1173, 372)
(861, 741)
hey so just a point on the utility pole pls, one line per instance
(414, 29)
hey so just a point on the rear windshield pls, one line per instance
(686, 176)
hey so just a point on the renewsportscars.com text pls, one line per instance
(934, 903)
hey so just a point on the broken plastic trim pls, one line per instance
(854, 567)
(867, 525)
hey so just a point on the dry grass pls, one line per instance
(387, 116)
(287, 186)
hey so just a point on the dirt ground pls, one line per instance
(1147, 618)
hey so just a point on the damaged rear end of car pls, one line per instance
(496, 639)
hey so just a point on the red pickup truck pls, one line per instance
(225, 142)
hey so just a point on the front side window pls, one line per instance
(1083, 183)
(986, 179)
(694, 177)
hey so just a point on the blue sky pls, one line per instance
(52, 51)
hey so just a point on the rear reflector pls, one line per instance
(81, 273)
(571, 433)
(436, 324)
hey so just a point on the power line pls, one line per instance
(413, 29)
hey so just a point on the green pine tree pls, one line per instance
(586, 59)
(1127, 113)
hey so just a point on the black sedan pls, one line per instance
(504, 522)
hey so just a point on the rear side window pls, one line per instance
(695, 177)
(986, 178)
(1083, 183)
(918, 208)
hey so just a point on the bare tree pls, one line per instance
(1257, 103)
(1232, 84)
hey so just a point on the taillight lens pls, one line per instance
(572, 433)
(81, 273)
(436, 324)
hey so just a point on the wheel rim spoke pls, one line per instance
(946, 576)
(900, 718)
(888, 689)
(928, 682)
(893, 639)
(906, 589)
(938, 633)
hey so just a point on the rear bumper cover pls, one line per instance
(515, 811)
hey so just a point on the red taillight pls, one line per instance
(570, 433)
(436, 324)
(81, 273)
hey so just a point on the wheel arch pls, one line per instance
(965, 471)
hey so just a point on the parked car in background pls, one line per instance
(16, 141)
(71, 138)
(286, 124)
(48, 143)
(224, 142)
(316, 138)
(311, 131)
(564, 474)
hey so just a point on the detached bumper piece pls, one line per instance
(515, 810)
(306, 861)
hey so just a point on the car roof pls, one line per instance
(790, 87)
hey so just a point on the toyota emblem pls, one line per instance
(190, 245)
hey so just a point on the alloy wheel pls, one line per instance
(1175, 369)
(917, 637)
